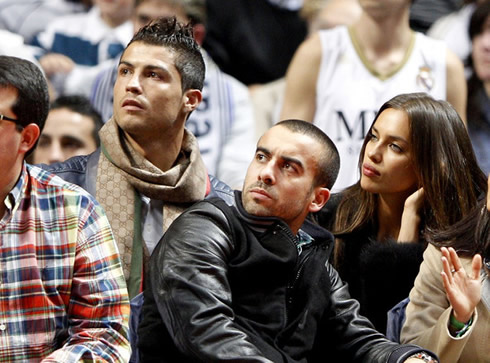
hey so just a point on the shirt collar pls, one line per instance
(15, 195)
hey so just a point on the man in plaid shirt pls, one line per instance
(63, 296)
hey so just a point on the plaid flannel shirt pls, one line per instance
(63, 296)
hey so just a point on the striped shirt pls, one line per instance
(62, 291)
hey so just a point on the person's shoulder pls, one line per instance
(74, 164)
(329, 42)
(68, 177)
(221, 190)
(339, 33)
(48, 178)
(457, 19)
(427, 42)
(432, 255)
(210, 211)
(50, 182)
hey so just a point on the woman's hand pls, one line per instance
(463, 291)
(409, 228)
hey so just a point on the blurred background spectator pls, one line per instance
(339, 77)
(423, 13)
(72, 45)
(318, 14)
(453, 29)
(254, 40)
(478, 109)
(71, 129)
(12, 44)
(29, 17)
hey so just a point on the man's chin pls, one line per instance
(256, 209)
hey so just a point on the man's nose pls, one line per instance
(55, 153)
(266, 174)
(134, 84)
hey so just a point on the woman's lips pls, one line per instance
(369, 170)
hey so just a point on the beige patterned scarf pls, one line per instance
(122, 171)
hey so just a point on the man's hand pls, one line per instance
(56, 63)
(462, 290)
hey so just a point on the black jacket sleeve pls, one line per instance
(353, 335)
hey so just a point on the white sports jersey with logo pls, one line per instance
(349, 94)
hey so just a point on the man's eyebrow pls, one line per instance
(121, 62)
(151, 67)
(287, 159)
(72, 139)
(292, 161)
(146, 67)
(263, 149)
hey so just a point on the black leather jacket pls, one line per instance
(228, 286)
(82, 171)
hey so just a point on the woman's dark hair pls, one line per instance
(444, 163)
(469, 236)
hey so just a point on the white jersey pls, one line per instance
(224, 125)
(349, 94)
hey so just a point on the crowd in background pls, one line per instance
(401, 87)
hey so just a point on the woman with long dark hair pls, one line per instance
(418, 173)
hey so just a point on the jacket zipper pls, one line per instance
(289, 290)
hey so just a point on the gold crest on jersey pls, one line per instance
(425, 79)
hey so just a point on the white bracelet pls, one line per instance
(426, 357)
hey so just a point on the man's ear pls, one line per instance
(199, 31)
(29, 135)
(321, 197)
(192, 99)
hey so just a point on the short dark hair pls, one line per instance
(467, 236)
(328, 161)
(168, 32)
(32, 104)
(81, 104)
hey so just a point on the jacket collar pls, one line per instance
(262, 224)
